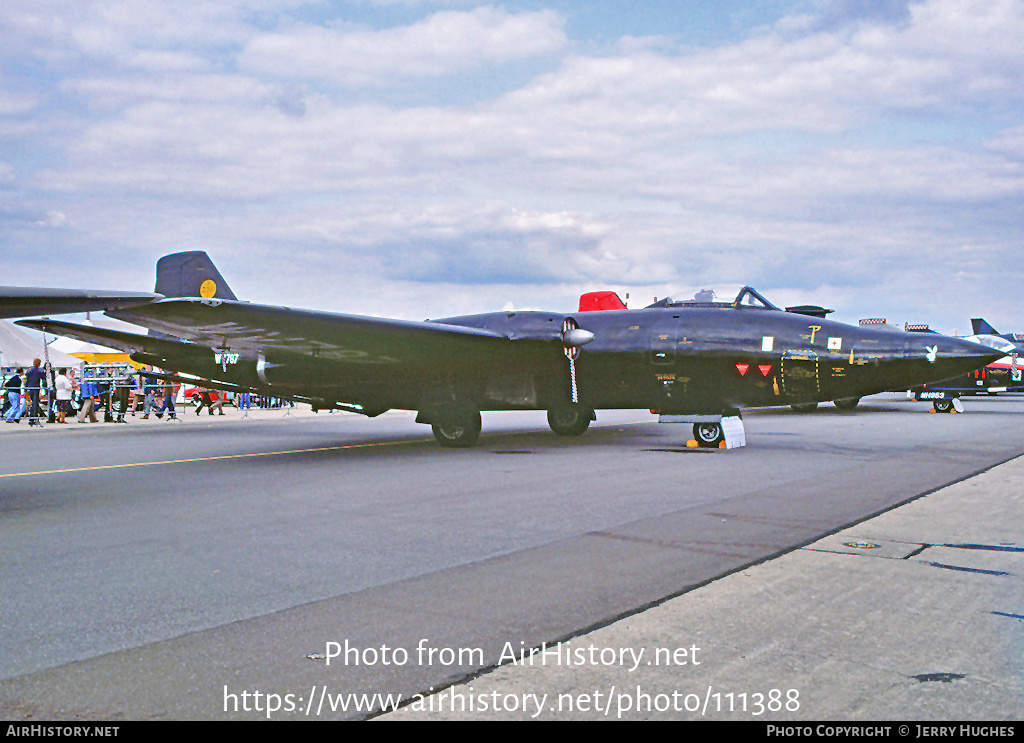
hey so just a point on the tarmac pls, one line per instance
(831, 631)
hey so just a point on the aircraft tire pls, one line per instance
(458, 430)
(708, 435)
(943, 406)
(804, 407)
(847, 403)
(571, 420)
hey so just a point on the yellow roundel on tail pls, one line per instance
(207, 289)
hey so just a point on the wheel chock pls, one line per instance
(730, 429)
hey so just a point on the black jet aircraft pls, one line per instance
(698, 360)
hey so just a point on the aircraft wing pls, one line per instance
(254, 329)
(352, 362)
(20, 301)
(158, 350)
(130, 343)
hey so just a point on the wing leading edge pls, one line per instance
(21, 301)
(254, 330)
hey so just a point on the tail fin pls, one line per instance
(190, 274)
(980, 327)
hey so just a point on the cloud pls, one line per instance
(882, 148)
(839, 13)
(603, 115)
(818, 82)
(473, 243)
(60, 33)
(53, 220)
(16, 104)
(444, 43)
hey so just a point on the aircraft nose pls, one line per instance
(948, 357)
(965, 349)
(960, 356)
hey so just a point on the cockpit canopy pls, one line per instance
(748, 297)
(994, 341)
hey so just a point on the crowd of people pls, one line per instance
(42, 394)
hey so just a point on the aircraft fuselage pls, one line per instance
(694, 359)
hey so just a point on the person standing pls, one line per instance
(119, 396)
(34, 386)
(168, 404)
(149, 389)
(245, 403)
(13, 387)
(90, 398)
(62, 391)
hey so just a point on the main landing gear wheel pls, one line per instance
(943, 406)
(846, 403)
(570, 420)
(708, 435)
(804, 407)
(457, 430)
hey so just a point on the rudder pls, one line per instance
(191, 274)
(980, 327)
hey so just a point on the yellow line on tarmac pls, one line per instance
(210, 459)
(252, 454)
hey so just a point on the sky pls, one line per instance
(430, 158)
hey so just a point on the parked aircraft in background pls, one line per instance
(1001, 375)
(696, 360)
(980, 327)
